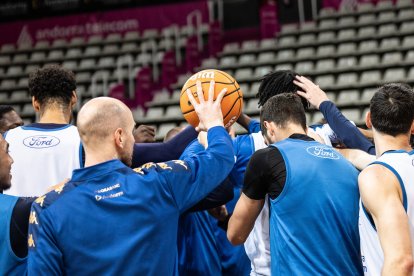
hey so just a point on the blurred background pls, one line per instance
(142, 51)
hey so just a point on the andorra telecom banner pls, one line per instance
(100, 23)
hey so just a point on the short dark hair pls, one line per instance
(5, 109)
(392, 109)
(282, 109)
(278, 82)
(52, 83)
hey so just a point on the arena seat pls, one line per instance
(345, 50)
(348, 97)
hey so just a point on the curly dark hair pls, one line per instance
(52, 83)
(278, 82)
(5, 109)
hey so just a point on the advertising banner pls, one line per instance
(100, 23)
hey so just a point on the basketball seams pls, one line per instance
(226, 76)
(231, 108)
(228, 94)
(239, 99)
(222, 79)
(204, 82)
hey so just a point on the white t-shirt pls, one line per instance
(44, 155)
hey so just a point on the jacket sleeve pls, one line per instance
(254, 126)
(193, 178)
(161, 152)
(219, 196)
(44, 255)
(346, 131)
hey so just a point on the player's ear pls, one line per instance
(368, 119)
(74, 98)
(412, 128)
(118, 137)
(266, 124)
(36, 104)
(269, 129)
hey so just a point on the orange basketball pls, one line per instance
(231, 105)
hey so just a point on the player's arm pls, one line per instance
(251, 201)
(360, 159)
(383, 198)
(249, 124)
(161, 152)
(367, 133)
(44, 255)
(19, 226)
(193, 178)
(345, 130)
(242, 221)
(218, 197)
(254, 126)
(202, 172)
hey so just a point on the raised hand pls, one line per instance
(209, 112)
(311, 92)
(144, 134)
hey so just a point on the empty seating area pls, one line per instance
(98, 55)
(348, 53)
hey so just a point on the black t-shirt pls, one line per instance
(266, 172)
(19, 226)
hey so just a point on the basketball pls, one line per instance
(231, 105)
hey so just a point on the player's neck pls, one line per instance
(290, 130)
(385, 143)
(99, 155)
(92, 160)
(55, 116)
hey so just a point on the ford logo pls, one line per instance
(323, 152)
(41, 141)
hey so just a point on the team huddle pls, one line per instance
(285, 199)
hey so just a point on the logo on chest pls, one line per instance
(323, 152)
(41, 141)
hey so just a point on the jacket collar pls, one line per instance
(96, 170)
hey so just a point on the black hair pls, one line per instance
(278, 82)
(5, 109)
(392, 109)
(52, 83)
(282, 109)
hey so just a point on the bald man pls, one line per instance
(109, 219)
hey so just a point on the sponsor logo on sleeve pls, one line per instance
(323, 152)
(41, 141)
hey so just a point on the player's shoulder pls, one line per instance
(193, 148)
(53, 196)
(262, 157)
(169, 166)
(267, 150)
(11, 132)
(377, 172)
